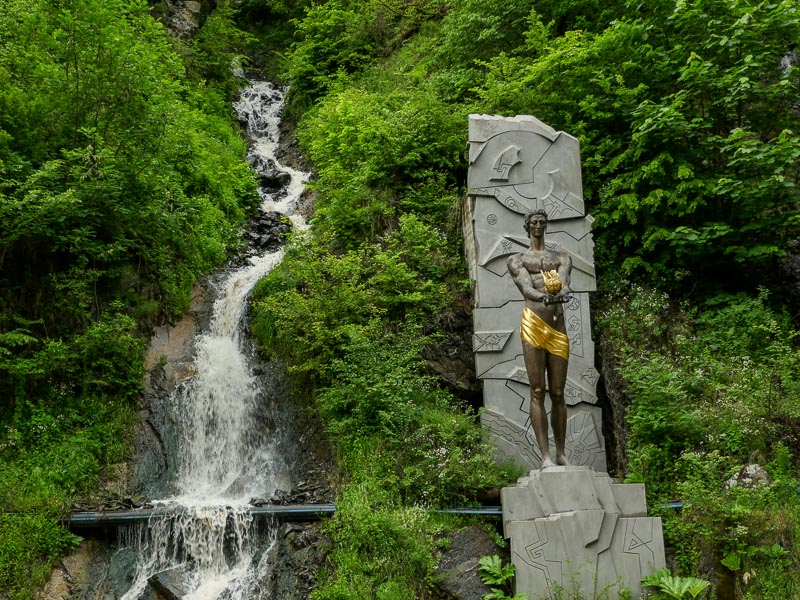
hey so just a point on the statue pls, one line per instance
(543, 277)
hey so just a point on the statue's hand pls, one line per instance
(559, 298)
(532, 293)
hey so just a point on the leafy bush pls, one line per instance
(122, 180)
(29, 545)
(679, 588)
(379, 156)
(314, 302)
(380, 549)
(686, 146)
(708, 394)
(335, 39)
(492, 571)
(688, 132)
(377, 395)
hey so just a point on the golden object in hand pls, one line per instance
(552, 282)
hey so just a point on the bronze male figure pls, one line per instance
(543, 277)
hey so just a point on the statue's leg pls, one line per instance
(535, 363)
(557, 379)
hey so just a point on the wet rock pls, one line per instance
(169, 364)
(184, 17)
(270, 175)
(169, 585)
(458, 567)
(268, 230)
(90, 572)
(279, 497)
(313, 490)
(275, 179)
(299, 553)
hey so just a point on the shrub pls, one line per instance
(29, 545)
(381, 549)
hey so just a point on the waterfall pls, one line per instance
(226, 455)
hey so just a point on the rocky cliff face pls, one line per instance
(183, 17)
(168, 362)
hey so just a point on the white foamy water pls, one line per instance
(226, 456)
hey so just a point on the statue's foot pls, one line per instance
(546, 462)
(561, 460)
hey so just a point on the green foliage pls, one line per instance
(218, 47)
(116, 175)
(29, 545)
(493, 572)
(685, 113)
(709, 393)
(381, 549)
(335, 39)
(427, 449)
(122, 179)
(379, 156)
(688, 145)
(311, 305)
(669, 586)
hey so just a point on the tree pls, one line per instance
(689, 130)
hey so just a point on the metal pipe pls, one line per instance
(290, 512)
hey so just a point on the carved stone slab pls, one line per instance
(574, 529)
(507, 425)
(525, 164)
(516, 165)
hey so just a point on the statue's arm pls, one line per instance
(523, 279)
(565, 274)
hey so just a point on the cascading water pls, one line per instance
(225, 458)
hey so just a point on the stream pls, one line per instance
(230, 429)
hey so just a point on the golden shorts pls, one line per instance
(540, 335)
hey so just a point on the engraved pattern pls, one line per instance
(574, 323)
(535, 551)
(491, 219)
(573, 395)
(576, 344)
(520, 375)
(554, 207)
(637, 542)
(504, 163)
(574, 303)
(513, 436)
(511, 203)
(590, 376)
(583, 443)
(492, 341)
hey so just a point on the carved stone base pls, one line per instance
(508, 427)
(574, 529)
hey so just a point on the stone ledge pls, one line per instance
(571, 526)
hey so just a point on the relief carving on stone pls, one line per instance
(518, 165)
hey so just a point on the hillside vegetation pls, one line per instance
(123, 180)
(690, 137)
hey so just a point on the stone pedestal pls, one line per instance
(577, 530)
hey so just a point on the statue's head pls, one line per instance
(539, 212)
